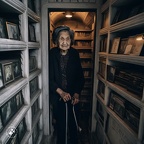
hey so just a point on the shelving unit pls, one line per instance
(17, 12)
(84, 44)
(119, 105)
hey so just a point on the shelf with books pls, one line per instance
(119, 71)
(133, 98)
(122, 10)
(83, 34)
(16, 48)
(84, 45)
(126, 16)
(86, 63)
(128, 76)
(127, 111)
(121, 132)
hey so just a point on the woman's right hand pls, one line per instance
(64, 95)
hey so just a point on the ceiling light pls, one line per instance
(68, 14)
(140, 37)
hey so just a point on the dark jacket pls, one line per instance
(74, 72)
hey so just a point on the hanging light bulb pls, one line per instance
(68, 14)
(140, 37)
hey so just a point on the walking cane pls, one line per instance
(66, 123)
(78, 128)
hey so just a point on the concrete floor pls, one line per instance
(83, 139)
(49, 140)
(83, 136)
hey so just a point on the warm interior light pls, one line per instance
(140, 37)
(68, 14)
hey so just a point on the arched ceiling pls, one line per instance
(86, 17)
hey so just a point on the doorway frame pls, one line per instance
(46, 8)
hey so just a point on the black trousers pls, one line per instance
(61, 123)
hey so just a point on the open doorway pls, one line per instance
(83, 24)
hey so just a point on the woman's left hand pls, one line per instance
(75, 99)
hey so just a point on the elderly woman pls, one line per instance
(66, 83)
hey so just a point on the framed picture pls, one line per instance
(115, 45)
(21, 130)
(8, 110)
(139, 43)
(3, 33)
(13, 31)
(32, 63)
(123, 44)
(119, 106)
(35, 108)
(17, 69)
(1, 77)
(131, 40)
(19, 100)
(32, 36)
(7, 72)
(111, 70)
(128, 49)
(1, 124)
(33, 85)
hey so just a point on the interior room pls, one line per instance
(83, 24)
(109, 42)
